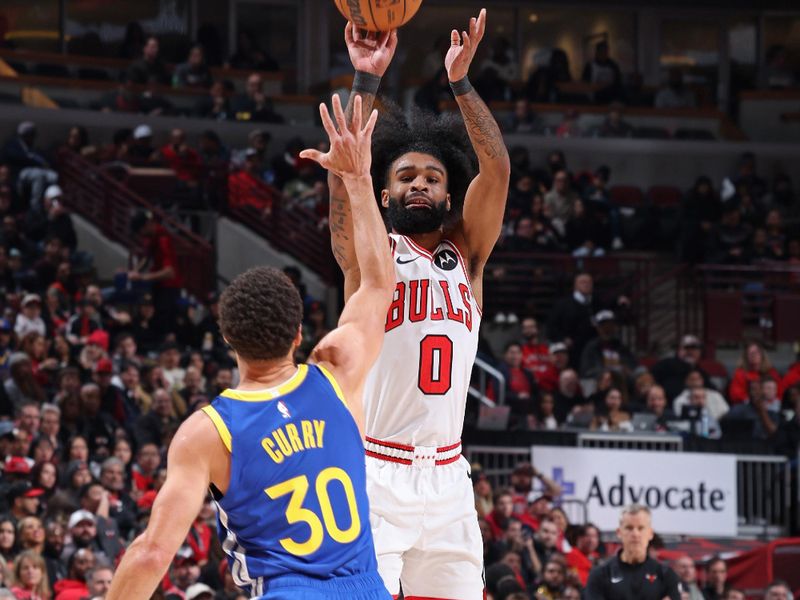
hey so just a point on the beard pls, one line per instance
(407, 221)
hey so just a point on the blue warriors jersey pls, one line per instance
(296, 504)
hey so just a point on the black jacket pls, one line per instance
(617, 580)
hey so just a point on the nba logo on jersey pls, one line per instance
(283, 410)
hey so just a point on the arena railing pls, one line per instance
(763, 482)
(109, 205)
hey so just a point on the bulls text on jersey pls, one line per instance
(414, 301)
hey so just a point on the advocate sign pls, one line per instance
(688, 493)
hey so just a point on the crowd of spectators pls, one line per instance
(748, 221)
(532, 550)
(573, 371)
(95, 382)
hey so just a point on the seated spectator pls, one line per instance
(792, 376)
(598, 203)
(716, 579)
(687, 573)
(560, 200)
(703, 424)
(544, 412)
(584, 234)
(497, 71)
(769, 387)
(503, 503)
(671, 372)
(521, 389)
(569, 127)
(519, 541)
(568, 396)
(657, 405)
(73, 586)
(551, 584)
(776, 234)
(606, 351)
(249, 56)
(523, 238)
(605, 73)
(714, 401)
(247, 189)
(124, 99)
(254, 105)
(584, 554)
(536, 356)
(522, 484)
(178, 156)
(612, 418)
(754, 365)
(257, 148)
(30, 318)
(542, 85)
(523, 119)
(729, 241)
(786, 440)
(483, 493)
(194, 73)
(754, 409)
(30, 170)
(675, 94)
(217, 105)
(746, 179)
(150, 68)
(778, 590)
(701, 211)
(30, 576)
(614, 125)
(546, 539)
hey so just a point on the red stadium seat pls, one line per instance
(627, 195)
(665, 196)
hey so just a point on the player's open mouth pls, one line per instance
(418, 201)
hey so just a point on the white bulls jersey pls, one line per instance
(417, 390)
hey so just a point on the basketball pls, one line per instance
(378, 15)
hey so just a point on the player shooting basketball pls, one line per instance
(422, 509)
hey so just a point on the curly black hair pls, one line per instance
(444, 137)
(260, 313)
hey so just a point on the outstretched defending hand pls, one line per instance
(350, 154)
(369, 53)
(463, 47)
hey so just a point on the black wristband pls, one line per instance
(461, 87)
(366, 83)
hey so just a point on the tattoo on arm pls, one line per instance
(341, 226)
(487, 140)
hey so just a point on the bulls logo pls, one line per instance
(651, 577)
(446, 260)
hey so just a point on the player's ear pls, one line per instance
(447, 199)
(385, 198)
(298, 339)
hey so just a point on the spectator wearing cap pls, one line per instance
(30, 170)
(163, 274)
(58, 222)
(539, 505)
(24, 499)
(85, 534)
(714, 401)
(606, 351)
(199, 591)
(74, 587)
(246, 188)
(16, 469)
(671, 372)
(522, 486)
(83, 323)
(30, 318)
(184, 573)
(93, 497)
(754, 365)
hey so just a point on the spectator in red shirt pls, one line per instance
(753, 366)
(146, 466)
(74, 587)
(501, 513)
(584, 555)
(538, 509)
(246, 188)
(521, 388)
(159, 267)
(793, 374)
(536, 356)
(179, 157)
